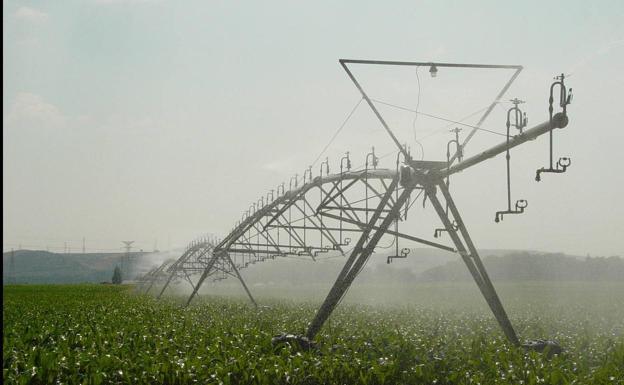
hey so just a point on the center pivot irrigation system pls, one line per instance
(347, 213)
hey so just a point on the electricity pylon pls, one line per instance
(125, 259)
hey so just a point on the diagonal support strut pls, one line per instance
(471, 257)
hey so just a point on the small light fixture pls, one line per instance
(433, 70)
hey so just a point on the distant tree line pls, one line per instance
(526, 266)
(117, 279)
(43, 267)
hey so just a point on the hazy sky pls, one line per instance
(160, 120)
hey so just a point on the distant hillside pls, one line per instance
(422, 264)
(531, 266)
(35, 266)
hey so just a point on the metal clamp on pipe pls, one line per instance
(407, 176)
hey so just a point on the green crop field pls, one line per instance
(90, 334)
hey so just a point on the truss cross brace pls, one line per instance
(461, 239)
(155, 275)
(166, 284)
(226, 257)
(360, 254)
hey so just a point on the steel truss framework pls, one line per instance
(347, 214)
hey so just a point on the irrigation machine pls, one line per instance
(347, 212)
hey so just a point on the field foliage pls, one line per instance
(92, 334)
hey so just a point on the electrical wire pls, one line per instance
(387, 247)
(437, 117)
(344, 123)
(437, 131)
(422, 149)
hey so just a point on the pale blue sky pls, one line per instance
(157, 120)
